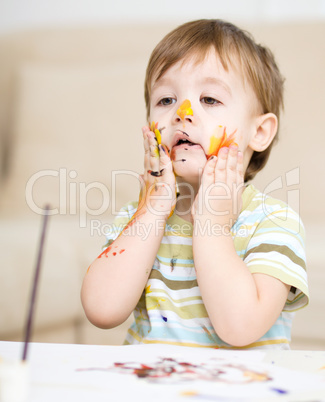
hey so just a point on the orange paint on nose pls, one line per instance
(185, 109)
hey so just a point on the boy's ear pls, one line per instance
(266, 128)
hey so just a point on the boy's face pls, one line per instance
(217, 98)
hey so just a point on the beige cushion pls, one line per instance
(69, 121)
(300, 51)
(58, 298)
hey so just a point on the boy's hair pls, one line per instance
(232, 45)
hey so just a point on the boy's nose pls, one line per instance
(186, 118)
(185, 112)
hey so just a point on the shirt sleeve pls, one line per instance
(277, 248)
(121, 220)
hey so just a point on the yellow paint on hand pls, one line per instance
(154, 129)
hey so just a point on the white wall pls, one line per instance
(21, 14)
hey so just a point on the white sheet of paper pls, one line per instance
(86, 373)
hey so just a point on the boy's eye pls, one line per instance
(210, 101)
(166, 101)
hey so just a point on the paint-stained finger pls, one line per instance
(166, 166)
(145, 131)
(208, 172)
(240, 180)
(232, 165)
(153, 153)
(240, 168)
(220, 173)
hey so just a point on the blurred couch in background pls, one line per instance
(71, 112)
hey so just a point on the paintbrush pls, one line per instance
(31, 309)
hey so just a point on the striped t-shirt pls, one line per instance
(268, 236)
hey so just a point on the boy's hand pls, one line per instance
(222, 184)
(158, 193)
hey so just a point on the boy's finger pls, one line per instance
(153, 154)
(208, 172)
(240, 168)
(146, 154)
(164, 155)
(220, 172)
(166, 166)
(232, 165)
(240, 180)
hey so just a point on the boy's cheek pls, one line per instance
(220, 139)
(242, 142)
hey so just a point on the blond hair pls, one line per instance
(232, 45)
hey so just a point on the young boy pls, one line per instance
(222, 265)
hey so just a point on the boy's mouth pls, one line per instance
(182, 141)
(182, 138)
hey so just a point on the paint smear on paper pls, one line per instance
(189, 393)
(185, 109)
(255, 376)
(175, 371)
(279, 391)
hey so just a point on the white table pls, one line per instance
(84, 373)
